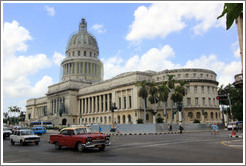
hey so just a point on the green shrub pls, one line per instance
(196, 121)
(139, 121)
(159, 120)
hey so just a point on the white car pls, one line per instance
(24, 136)
(6, 132)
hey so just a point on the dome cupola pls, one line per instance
(81, 62)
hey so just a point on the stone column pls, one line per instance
(86, 104)
(92, 105)
(100, 103)
(89, 104)
(96, 105)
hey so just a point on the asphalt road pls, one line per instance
(201, 147)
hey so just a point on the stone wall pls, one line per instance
(150, 128)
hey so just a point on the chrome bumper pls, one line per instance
(95, 145)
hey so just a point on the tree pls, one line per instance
(163, 96)
(14, 109)
(236, 96)
(143, 93)
(170, 84)
(232, 11)
(178, 95)
(153, 99)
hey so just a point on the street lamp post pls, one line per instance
(233, 132)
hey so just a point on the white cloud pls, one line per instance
(225, 72)
(51, 10)
(14, 38)
(16, 70)
(155, 59)
(99, 28)
(57, 58)
(164, 18)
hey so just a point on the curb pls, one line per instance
(235, 136)
(141, 133)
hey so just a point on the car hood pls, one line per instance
(28, 136)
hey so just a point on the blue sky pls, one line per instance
(131, 36)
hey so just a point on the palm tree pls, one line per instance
(153, 97)
(170, 84)
(177, 96)
(163, 96)
(143, 93)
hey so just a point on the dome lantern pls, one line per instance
(83, 25)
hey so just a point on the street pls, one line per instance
(197, 147)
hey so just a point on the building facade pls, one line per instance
(82, 97)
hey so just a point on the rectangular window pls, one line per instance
(195, 88)
(202, 89)
(124, 102)
(214, 101)
(178, 75)
(196, 100)
(203, 101)
(209, 101)
(119, 102)
(84, 53)
(188, 101)
(130, 101)
(201, 75)
(157, 78)
(78, 53)
(163, 78)
(208, 89)
(194, 75)
(188, 88)
(186, 75)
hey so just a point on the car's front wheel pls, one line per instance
(12, 142)
(80, 147)
(101, 148)
(57, 146)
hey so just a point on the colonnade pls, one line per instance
(81, 68)
(56, 104)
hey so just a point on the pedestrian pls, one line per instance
(213, 126)
(216, 129)
(171, 127)
(100, 129)
(180, 129)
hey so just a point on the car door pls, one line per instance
(64, 138)
(71, 141)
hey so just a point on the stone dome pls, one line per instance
(81, 62)
(82, 39)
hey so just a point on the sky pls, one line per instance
(131, 37)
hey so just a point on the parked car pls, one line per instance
(39, 130)
(24, 136)
(6, 132)
(236, 125)
(79, 138)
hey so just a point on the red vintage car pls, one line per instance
(79, 138)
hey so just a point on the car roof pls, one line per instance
(73, 128)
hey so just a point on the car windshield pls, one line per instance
(82, 130)
(5, 128)
(27, 132)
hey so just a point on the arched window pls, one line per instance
(159, 115)
(105, 120)
(198, 115)
(124, 119)
(129, 119)
(101, 119)
(118, 119)
(190, 115)
(109, 119)
(205, 115)
(216, 115)
(147, 116)
(212, 115)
